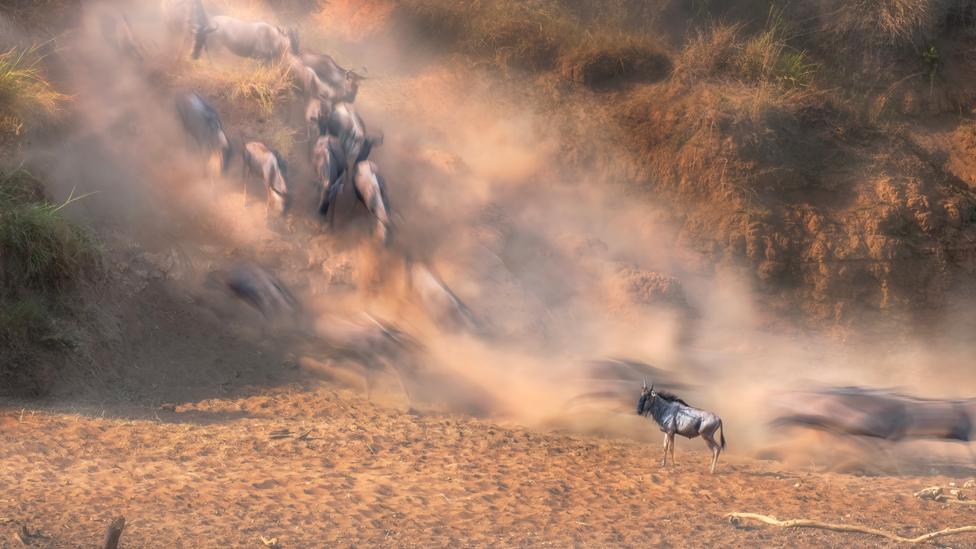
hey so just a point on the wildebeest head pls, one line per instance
(646, 399)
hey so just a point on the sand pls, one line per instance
(209, 474)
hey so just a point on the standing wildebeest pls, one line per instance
(877, 414)
(202, 123)
(258, 157)
(675, 416)
(253, 39)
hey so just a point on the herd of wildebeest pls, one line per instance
(340, 156)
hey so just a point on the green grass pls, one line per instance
(27, 99)
(39, 248)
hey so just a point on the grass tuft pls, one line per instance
(26, 97)
(39, 248)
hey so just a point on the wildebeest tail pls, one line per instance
(721, 434)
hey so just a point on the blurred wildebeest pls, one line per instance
(372, 346)
(328, 163)
(262, 159)
(118, 34)
(438, 300)
(878, 414)
(331, 173)
(344, 83)
(183, 18)
(609, 380)
(202, 123)
(371, 192)
(345, 123)
(256, 287)
(675, 416)
(253, 39)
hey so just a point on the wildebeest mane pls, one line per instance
(670, 397)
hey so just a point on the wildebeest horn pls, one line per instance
(652, 387)
(644, 386)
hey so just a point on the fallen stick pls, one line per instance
(734, 518)
(114, 533)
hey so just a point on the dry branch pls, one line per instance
(734, 518)
(114, 533)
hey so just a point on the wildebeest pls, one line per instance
(256, 287)
(438, 300)
(371, 191)
(607, 380)
(252, 39)
(328, 163)
(878, 414)
(371, 345)
(118, 34)
(262, 159)
(675, 416)
(344, 83)
(202, 124)
(182, 18)
(345, 123)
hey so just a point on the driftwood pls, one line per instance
(735, 518)
(113, 533)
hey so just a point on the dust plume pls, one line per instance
(559, 264)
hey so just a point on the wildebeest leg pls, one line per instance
(671, 446)
(709, 438)
(664, 462)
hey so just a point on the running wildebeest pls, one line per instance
(371, 191)
(118, 34)
(183, 18)
(331, 172)
(438, 300)
(345, 123)
(372, 345)
(328, 164)
(202, 123)
(607, 380)
(252, 39)
(344, 83)
(675, 416)
(881, 415)
(262, 159)
(256, 287)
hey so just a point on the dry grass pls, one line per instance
(541, 36)
(256, 85)
(888, 22)
(27, 99)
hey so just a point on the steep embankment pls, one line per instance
(823, 148)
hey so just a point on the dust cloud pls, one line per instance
(558, 265)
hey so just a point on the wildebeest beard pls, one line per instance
(640, 403)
